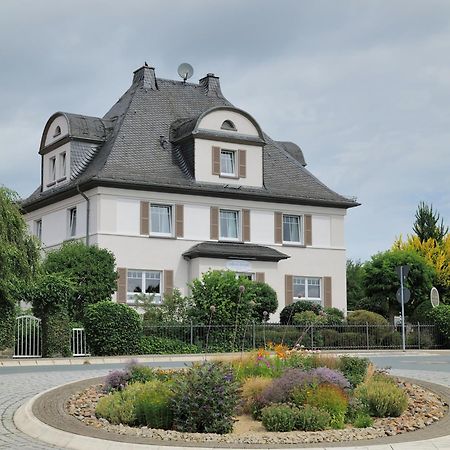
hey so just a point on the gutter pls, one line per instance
(88, 211)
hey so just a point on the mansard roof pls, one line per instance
(136, 149)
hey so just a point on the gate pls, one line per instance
(28, 337)
(79, 347)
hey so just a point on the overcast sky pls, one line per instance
(362, 86)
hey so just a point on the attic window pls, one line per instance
(57, 131)
(228, 125)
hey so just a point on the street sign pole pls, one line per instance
(403, 309)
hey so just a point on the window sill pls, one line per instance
(52, 183)
(231, 240)
(162, 236)
(229, 176)
(61, 179)
(293, 244)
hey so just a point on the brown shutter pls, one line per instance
(308, 230)
(327, 292)
(121, 296)
(260, 277)
(179, 221)
(144, 217)
(214, 223)
(168, 282)
(242, 163)
(246, 225)
(216, 160)
(288, 289)
(278, 219)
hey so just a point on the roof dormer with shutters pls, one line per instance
(226, 146)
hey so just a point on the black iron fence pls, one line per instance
(252, 336)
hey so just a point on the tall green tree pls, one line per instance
(355, 284)
(91, 270)
(426, 224)
(19, 256)
(381, 281)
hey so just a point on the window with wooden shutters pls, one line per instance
(144, 222)
(278, 217)
(246, 225)
(179, 221)
(288, 291)
(307, 289)
(139, 282)
(168, 282)
(214, 223)
(121, 295)
(260, 277)
(308, 230)
(327, 297)
(216, 160)
(242, 163)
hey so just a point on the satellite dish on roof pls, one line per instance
(434, 297)
(185, 71)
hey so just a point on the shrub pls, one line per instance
(323, 360)
(354, 368)
(7, 324)
(153, 405)
(310, 418)
(265, 299)
(206, 399)
(333, 316)
(288, 312)
(257, 364)
(112, 329)
(331, 399)
(391, 339)
(441, 317)
(140, 374)
(252, 388)
(324, 375)
(308, 318)
(382, 398)
(116, 380)
(361, 317)
(331, 338)
(422, 313)
(150, 345)
(362, 421)
(279, 418)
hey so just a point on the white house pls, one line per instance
(175, 180)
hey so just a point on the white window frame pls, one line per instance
(38, 229)
(238, 225)
(72, 222)
(250, 275)
(300, 230)
(157, 296)
(52, 169)
(233, 154)
(171, 224)
(62, 166)
(307, 297)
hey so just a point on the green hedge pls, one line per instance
(165, 346)
(112, 329)
(7, 323)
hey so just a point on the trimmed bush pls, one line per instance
(361, 317)
(205, 399)
(112, 329)
(441, 317)
(354, 368)
(165, 346)
(265, 299)
(288, 312)
(308, 318)
(382, 398)
(310, 418)
(279, 418)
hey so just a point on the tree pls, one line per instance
(381, 281)
(427, 224)
(91, 269)
(265, 299)
(19, 257)
(355, 284)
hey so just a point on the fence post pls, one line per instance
(254, 335)
(192, 334)
(312, 337)
(418, 334)
(367, 335)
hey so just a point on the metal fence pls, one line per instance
(28, 337)
(252, 336)
(78, 342)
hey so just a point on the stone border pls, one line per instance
(44, 418)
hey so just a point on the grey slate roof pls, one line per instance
(227, 250)
(137, 152)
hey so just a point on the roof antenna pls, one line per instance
(185, 71)
(145, 64)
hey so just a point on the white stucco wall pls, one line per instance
(215, 119)
(57, 121)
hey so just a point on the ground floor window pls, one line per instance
(144, 282)
(307, 288)
(249, 275)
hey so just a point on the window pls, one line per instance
(38, 229)
(228, 125)
(249, 275)
(308, 289)
(72, 222)
(229, 224)
(62, 165)
(292, 228)
(57, 131)
(143, 282)
(161, 220)
(228, 163)
(52, 169)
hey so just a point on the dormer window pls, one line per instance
(57, 131)
(228, 125)
(62, 165)
(52, 169)
(228, 163)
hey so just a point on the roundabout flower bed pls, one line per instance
(289, 397)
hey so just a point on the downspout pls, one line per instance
(88, 211)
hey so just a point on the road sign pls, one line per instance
(406, 295)
(405, 271)
(434, 297)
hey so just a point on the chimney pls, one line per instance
(211, 85)
(145, 76)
